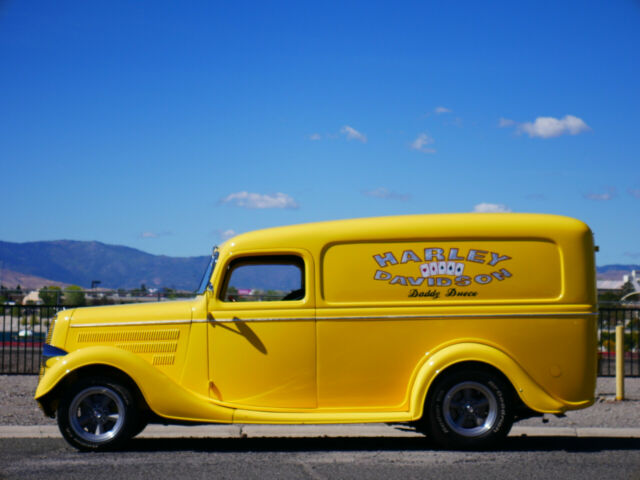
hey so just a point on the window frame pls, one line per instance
(280, 258)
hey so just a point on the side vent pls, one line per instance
(159, 360)
(166, 347)
(125, 336)
(161, 345)
(50, 331)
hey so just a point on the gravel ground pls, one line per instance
(606, 412)
(19, 408)
(17, 404)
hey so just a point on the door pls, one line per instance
(262, 332)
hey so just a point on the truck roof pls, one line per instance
(413, 227)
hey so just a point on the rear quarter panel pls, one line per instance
(525, 288)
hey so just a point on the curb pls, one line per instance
(310, 431)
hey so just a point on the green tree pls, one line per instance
(626, 289)
(608, 297)
(74, 296)
(271, 295)
(232, 294)
(50, 295)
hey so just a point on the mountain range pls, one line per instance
(615, 272)
(69, 262)
(81, 263)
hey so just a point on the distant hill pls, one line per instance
(79, 263)
(11, 279)
(615, 272)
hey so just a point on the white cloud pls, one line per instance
(314, 137)
(353, 134)
(506, 122)
(258, 200)
(601, 197)
(421, 142)
(154, 234)
(227, 234)
(439, 110)
(491, 208)
(224, 235)
(386, 194)
(549, 127)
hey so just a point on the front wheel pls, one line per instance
(468, 409)
(97, 414)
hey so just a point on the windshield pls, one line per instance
(205, 283)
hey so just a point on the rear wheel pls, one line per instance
(469, 409)
(97, 414)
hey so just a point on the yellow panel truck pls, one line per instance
(456, 324)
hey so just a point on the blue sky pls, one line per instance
(167, 126)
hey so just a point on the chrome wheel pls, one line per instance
(470, 409)
(97, 414)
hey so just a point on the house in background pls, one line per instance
(618, 286)
(32, 298)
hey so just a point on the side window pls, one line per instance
(264, 279)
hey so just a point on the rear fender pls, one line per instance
(532, 394)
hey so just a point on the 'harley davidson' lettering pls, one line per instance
(441, 267)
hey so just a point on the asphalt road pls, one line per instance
(599, 442)
(323, 458)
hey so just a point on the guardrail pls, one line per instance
(23, 329)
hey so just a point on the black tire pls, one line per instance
(97, 413)
(141, 424)
(468, 409)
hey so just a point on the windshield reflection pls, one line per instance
(205, 283)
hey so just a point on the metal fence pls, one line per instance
(24, 329)
(610, 317)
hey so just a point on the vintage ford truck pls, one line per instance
(456, 324)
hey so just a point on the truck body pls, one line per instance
(458, 324)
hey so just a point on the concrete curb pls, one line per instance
(311, 431)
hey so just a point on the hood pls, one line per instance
(136, 312)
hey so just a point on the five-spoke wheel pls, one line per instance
(468, 409)
(97, 413)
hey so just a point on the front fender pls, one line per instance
(164, 396)
(532, 394)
